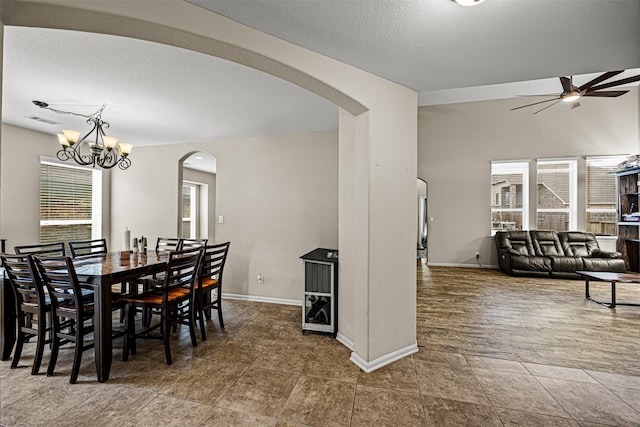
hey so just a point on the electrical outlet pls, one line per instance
(477, 254)
(260, 278)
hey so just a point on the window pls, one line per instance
(509, 195)
(602, 195)
(556, 207)
(70, 202)
(189, 210)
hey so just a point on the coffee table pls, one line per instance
(609, 277)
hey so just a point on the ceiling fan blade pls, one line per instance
(544, 94)
(607, 93)
(535, 103)
(615, 83)
(566, 84)
(600, 78)
(548, 106)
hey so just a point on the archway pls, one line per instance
(377, 141)
(197, 192)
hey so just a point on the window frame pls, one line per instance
(507, 167)
(194, 191)
(613, 160)
(96, 198)
(572, 210)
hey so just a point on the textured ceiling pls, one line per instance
(156, 94)
(438, 44)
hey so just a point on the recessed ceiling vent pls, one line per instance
(40, 119)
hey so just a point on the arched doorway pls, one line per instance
(197, 183)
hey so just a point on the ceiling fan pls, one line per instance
(572, 94)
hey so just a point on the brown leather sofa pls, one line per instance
(553, 254)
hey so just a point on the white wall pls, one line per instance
(278, 196)
(456, 143)
(20, 185)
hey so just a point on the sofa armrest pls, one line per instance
(597, 253)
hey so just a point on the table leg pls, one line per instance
(613, 294)
(586, 288)
(7, 319)
(102, 329)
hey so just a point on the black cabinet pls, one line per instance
(320, 303)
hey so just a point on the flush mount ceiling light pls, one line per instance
(101, 150)
(468, 2)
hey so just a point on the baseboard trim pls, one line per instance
(269, 300)
(345, 341)
(452, 264)
(383, 360)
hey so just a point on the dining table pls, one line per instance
(101, 273)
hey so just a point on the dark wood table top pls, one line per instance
(611, 277)
(111, 265)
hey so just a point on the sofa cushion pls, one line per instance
(577, 243)
(597, 253)
(546, 243)
(604, 264)
(530, 263)
(566, 264)
(514, 242)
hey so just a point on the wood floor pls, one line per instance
(485, 312)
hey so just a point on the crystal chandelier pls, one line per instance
(95, 148)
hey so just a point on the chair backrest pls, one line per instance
(213, 260)
(167, 244)
(24, 279)
(48, 249)
(88, 247)
(192, 243)
(182, 269)
(59, 276)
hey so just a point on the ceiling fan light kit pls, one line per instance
(572, 94)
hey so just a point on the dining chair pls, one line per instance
(47, 249)
(177, 291)
(192, 243)
(88, 247)
(214, 258)
(31, 301)
(168, 244)
(68, 302)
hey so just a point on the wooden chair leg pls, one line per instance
(56, 346)
(220, 313)
(77, 356)
(129, 332)
(42, 337)
(166, 330)
(19, 340)
(192, 327)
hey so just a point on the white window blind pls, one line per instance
(70, 203)
(557, 199)
(602, 195)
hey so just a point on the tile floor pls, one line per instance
(261, 371)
